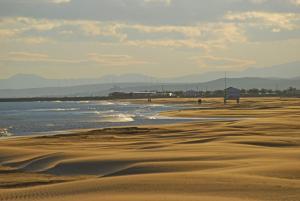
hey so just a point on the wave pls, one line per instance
(4, 132)
(113, 103)
(123, 103)
(50, 125)
(157, 105)
(118, 118)
(152, 117)
(105, 103)
(54, 109)
(97, 112)
(104, 112)
(84, 101)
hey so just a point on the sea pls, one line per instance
(34, 118)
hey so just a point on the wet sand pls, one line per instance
(254, 158)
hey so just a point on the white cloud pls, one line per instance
(88, 27)
(276, 21)
(258, 1)
(22, 24)
(188, 31)
(102, 59)
(60, 1)
(295, 2)
(169, 43)
(98, 28)
(34, 40)
(132, 32)
(114, 60)
(27, 56)
(55, 1)
(7, 33)
(35, 57)
(48, 1)
(166, 2)
(203, 35)
(15, 35)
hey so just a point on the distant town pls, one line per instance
(289, 92)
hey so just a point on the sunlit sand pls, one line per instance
(256, 157)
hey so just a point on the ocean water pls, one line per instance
(28, 118)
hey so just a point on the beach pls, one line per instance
(255, 156)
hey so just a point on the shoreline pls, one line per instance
(78, 131)
(165, 115)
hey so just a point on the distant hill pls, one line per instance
(105, 89)
(23, 81)
(288, 70)
(26, 81)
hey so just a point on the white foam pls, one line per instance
(84, 102)
(152, 117)
(105, 103)
(103, 112)
(54, 109)
(97, 112)
(118, 118)
(4, 132)
(156, 105)
(123, 103)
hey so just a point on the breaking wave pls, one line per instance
(54, 110)
(118, 118)
(105, 103)
(5, 133)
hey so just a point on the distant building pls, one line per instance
(138, 95)
(131, 95)
(164, 94)
(142, 94)
(192, 93)
(232, 93)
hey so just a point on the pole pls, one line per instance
(225, 88)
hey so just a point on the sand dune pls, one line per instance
(253, 159)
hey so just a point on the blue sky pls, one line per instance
(163, 38)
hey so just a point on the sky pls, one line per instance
(67, 39)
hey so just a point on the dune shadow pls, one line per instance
(278, 144)
(200, 141)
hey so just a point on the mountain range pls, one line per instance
(105, 89)
(275, 77)
(24, 81)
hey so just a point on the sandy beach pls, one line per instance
(253, 158)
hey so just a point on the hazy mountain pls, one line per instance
(134, 78)
(105, 89)
(288, 70)
(23, 81)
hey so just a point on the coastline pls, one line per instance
(169, 114)
(186, 104)
(254, 158)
